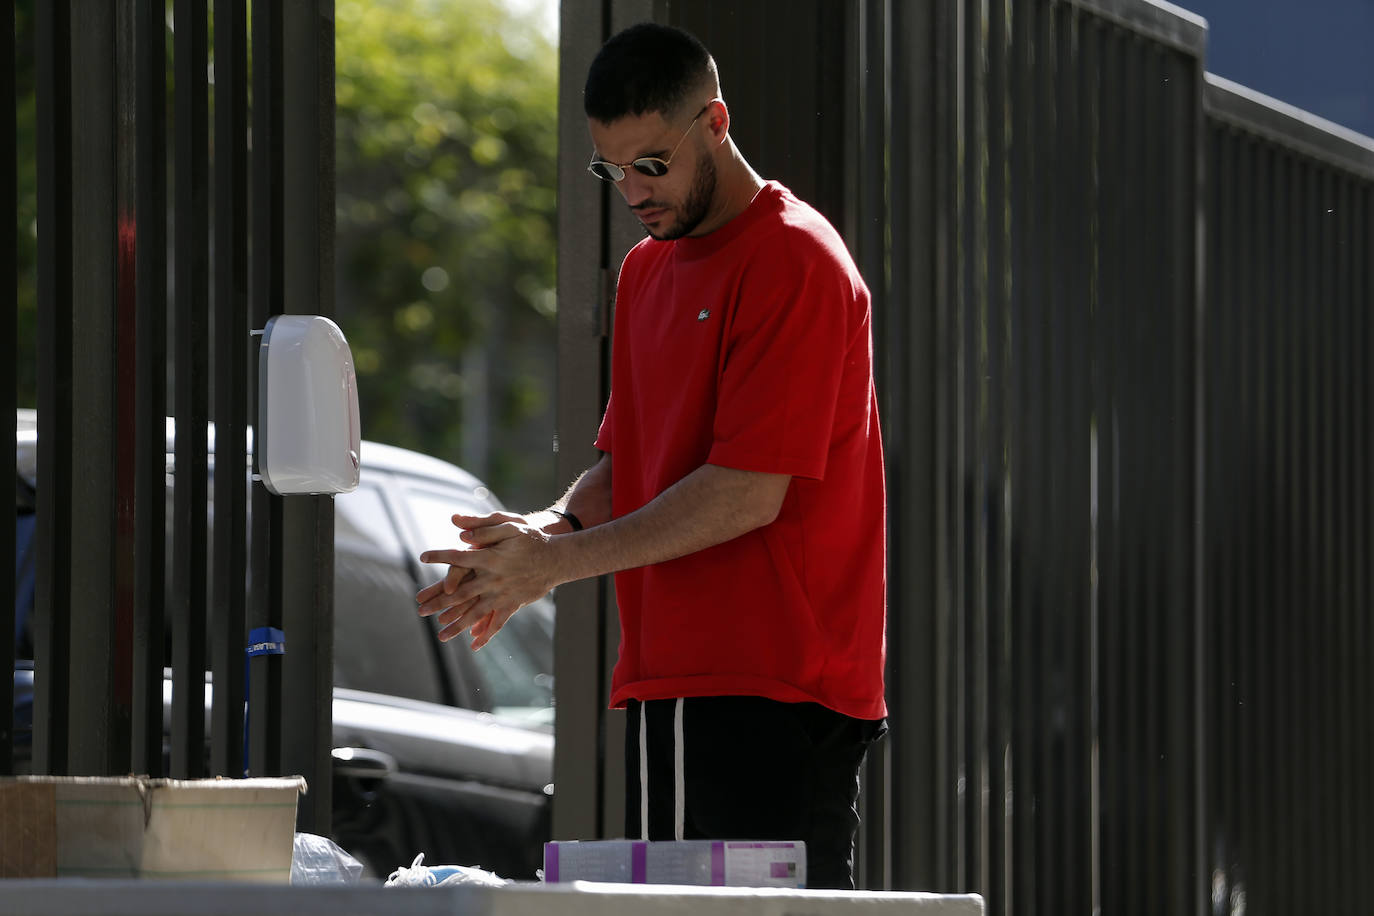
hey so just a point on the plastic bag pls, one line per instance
(420, 875)
(317, 860)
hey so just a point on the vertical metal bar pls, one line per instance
(1241, 222)
(233, 355)
(1293, 798)
(1148, 484)
(1104, 469)
(1059, 446)
(1315, 359)
(308, 286)
(1179, 100)
(150, 434)
(1355, 838)
(584, 296)
(951, 449)
(266, 296)
(1022, 420)
(971, 326)
(869, 216)
(1002, 755)
(916, 807)
(1362, 291)
(1038, 334)
(52, 602)
(98, 724)
(1225, 345)
(1319, 546)
(1352, 710)
(1195, 175)
(1116, 847)
(127, 395)
(1269, 566)
(1080, 82)
(9, 356)
(191, 391)
(1092, 160)
(1318, 357)
(1275, 657)
(1183, 78)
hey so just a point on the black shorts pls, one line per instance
(748, 768)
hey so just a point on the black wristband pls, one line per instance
(569, 517)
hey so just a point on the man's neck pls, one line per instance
(738, 185)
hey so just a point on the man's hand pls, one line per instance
(502, 570)
(510, 561)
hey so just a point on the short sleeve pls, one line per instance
(783, 364)
(604, 435)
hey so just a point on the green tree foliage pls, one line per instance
(446, 146)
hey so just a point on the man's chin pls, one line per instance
(671, 232)
(664, 226)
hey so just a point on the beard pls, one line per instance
(698, 203)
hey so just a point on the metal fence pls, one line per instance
(1288, 506)
(1121, 319)
(1060, 628)
(165, 235)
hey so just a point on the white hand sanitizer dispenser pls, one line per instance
(308, 433)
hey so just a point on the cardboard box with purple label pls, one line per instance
(731, 863)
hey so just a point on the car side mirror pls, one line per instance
(308, 433)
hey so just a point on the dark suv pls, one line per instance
(438, 749)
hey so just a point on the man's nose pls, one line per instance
(634, 187)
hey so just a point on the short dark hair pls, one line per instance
(648, 68)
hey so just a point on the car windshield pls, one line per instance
(517, 665)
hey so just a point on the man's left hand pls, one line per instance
(503, 569)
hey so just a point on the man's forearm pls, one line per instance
(588, 499)
(709, 506)
(512, 560)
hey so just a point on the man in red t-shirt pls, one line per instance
(744, 517)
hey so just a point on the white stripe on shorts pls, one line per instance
(679, 781)
(643, 770)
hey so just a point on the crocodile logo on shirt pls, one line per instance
(703, 314)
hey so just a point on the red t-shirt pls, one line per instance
(751, 348)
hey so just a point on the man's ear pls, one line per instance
(717, 119)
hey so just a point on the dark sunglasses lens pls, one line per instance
(606, 171)
(654, 168)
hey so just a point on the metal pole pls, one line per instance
(52, 600)
(191, 391)
(150, 433)
(9, 352)
(306, 545)
(233, 356)
(98, 725)
(265, 609)
(584, 296)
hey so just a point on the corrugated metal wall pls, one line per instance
(1066, 423)
(1290, 737)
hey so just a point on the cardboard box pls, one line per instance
(733, 863)
(136, 827)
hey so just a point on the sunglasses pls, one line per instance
(645, 165)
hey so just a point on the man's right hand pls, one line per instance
(485, 606)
